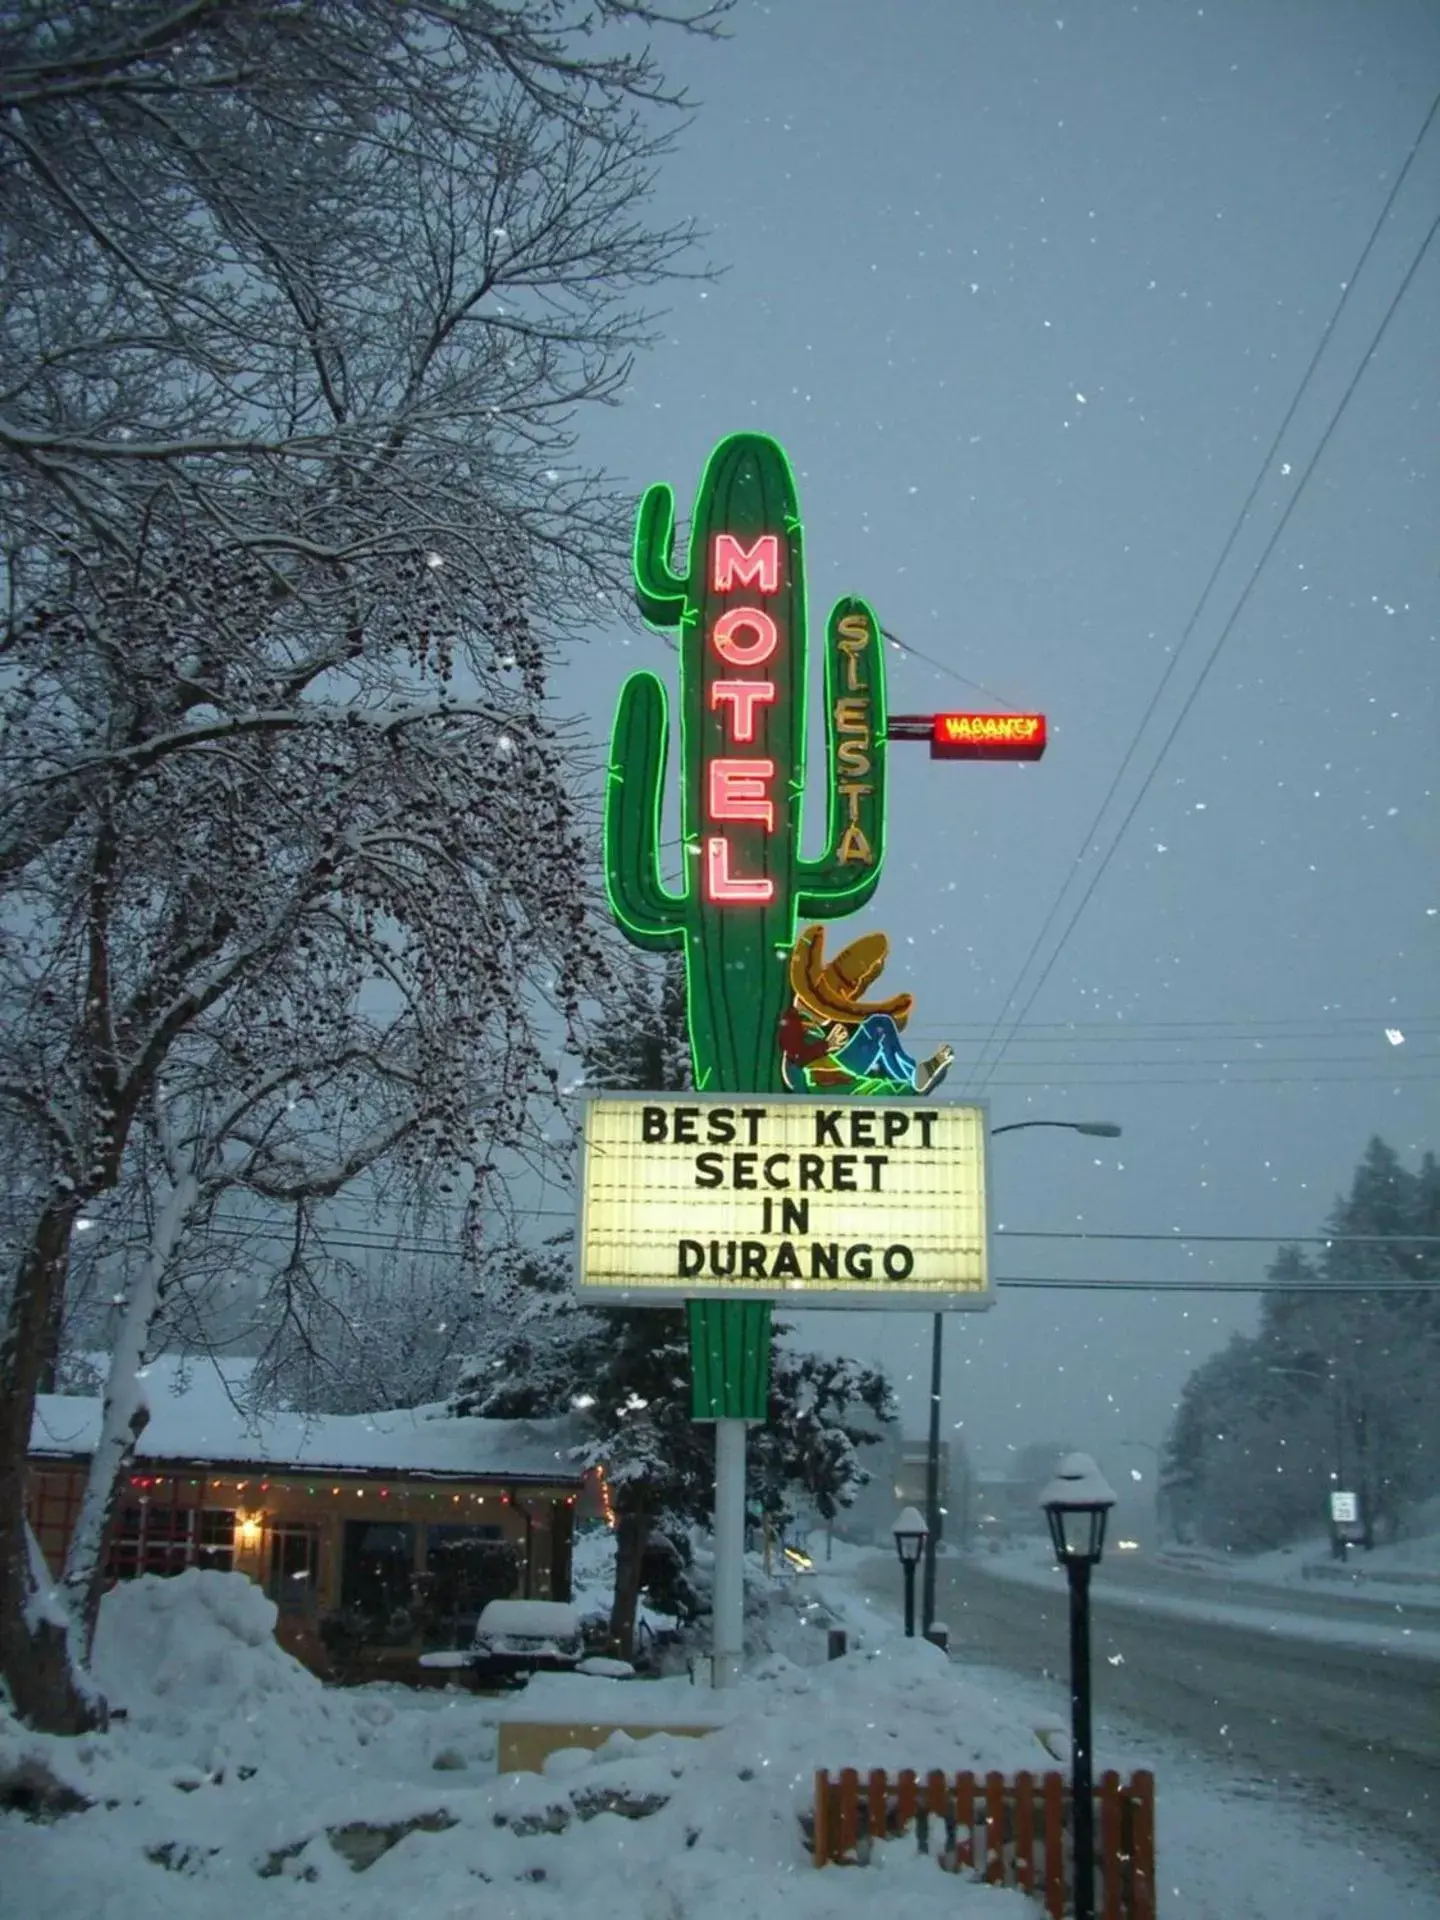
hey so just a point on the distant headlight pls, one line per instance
(1127, 1546)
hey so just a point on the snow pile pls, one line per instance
(194, 1664)
(237, 1784)
(199, 1644)
(233, 1765)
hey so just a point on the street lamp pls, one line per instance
(1099, 1129)
(1076, 1504)
(1339, 1540)
(910, 1534)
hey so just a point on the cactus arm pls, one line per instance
(651, 916)
(844, 878)
(661, 592)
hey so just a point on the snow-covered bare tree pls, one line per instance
(297, 304)
(364, 1328)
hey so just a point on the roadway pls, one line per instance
(1417, 1606)
(1350, 1729)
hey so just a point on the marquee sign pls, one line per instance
(806, 1201)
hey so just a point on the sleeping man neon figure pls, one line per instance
(831, 1038)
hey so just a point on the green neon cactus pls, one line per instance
(737, 953)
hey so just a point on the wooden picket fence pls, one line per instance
(1010, 1831)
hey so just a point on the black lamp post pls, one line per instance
(910, 1534)
(1100, 1129)
(1077, 1502)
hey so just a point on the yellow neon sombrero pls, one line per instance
(832, 991)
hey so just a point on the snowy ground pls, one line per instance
(238, 1783)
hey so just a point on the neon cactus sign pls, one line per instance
(736, 603)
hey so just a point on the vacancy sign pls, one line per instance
(987, 736)
(846, 1204)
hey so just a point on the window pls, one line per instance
(377, 1577)
(155, 1535)
(216, 1545)
(292, 1568)
(465, 1567)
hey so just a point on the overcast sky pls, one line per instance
(1026, 291)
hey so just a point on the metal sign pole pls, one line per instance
(729, 1596)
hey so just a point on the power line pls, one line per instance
(1235, 1060)
(1211, 581)
(941, 667)
(1098, 1033)
(1232, 1239)
(1053, 1284)
(1072, 1078)
(1140, 1026)
(355, 1239)
(1226, 630)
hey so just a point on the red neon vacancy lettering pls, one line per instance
(724, 888)
(988, 736)
(742, 697)
(745, 653)
(750, 566)
(737, 791)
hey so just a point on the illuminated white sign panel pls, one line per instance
(849, 1204)
(1344, 1509)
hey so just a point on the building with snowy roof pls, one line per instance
(379, 1536)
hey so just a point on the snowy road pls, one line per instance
(1353, 1729)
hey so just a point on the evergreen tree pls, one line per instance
(1336, 1389)
(628, 1369)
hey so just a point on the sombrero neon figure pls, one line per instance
(832, 1038)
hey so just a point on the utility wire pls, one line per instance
(940, 666)
(1238, 1056)
(1057, 1078)
(1065, 1079)
(1095, 1031)
(1224, 634)
(1235, 1239)
(355, 1239)
(1214, 576)
(1052, 1284)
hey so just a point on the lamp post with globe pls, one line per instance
(910, 1534)
(1077, 1503)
